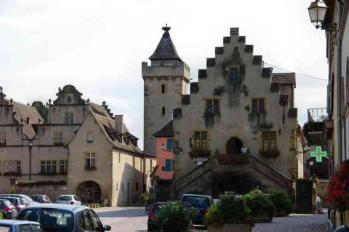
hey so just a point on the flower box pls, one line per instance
(199, 153)
(270, 153)
(231, 228)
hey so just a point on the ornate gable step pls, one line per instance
(266, 72)
(249, 48)
(194, 87)
(242, 39)
(202, 73)
(210, 62)
(219, 50)
(257, 60)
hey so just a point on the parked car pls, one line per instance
(63, 218)
(27, 200)
(7, 209)
(152, 224)
(41, 198)
(16, 201)
(20, 226)
(68, 199)
(200, 202)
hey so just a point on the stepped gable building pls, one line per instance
(237, 103)
(74, 144)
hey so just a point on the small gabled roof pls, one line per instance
(166, 131)
(165, 49)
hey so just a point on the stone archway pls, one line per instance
(234, 146)
(89, 192)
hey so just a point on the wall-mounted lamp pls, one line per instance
(317, 12)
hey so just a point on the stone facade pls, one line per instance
(166, 79)
(236, 102)
(75, 141)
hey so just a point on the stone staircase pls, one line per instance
(203, 173)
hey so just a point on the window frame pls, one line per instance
(200, 142)
(269, 141)
(90, 163)
(256, 103)
(213, 105)
(68, 119)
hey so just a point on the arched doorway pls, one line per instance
(89, 192)
(234, 146)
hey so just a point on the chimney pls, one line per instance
(119, 123)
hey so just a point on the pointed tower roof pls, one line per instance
(165, 49)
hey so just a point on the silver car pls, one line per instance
(68, 199)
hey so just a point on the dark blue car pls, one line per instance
(199, 202)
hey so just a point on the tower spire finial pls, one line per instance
(166, 28)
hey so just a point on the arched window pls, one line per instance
(162, 88)
(163, 111)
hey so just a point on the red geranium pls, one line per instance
(338, 188)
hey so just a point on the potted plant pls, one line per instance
(262, 208)
(338, 190)
(281, 202)
(175, 217)
(230, 214)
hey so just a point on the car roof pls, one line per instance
(16, 222)
(195, 195)
(6, 197)
(67, 195)
(72, 208)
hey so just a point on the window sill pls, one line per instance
(90, 168)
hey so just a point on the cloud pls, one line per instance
(99, 45)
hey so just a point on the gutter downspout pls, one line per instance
(339, 85)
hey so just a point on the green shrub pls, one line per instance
(259, 204)
(175, 217)
(282, 203)
(230, 209)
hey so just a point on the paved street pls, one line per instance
(127, 219)
(131, 219)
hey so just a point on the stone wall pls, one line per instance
(53, 191)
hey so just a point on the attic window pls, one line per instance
(234, 74)
(126, 140)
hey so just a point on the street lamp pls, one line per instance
(30, 159)
(317, 12)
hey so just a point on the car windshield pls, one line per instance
(5, 228)
(52, 220)
(65, 198)
(197, 201)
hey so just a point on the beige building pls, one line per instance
(237, 106)
(73, 143)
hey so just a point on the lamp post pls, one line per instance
(317, 12)
(30, 159)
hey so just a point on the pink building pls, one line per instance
(164, 152)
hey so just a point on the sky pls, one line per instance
(98, 46)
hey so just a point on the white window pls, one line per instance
(12, 166)
(90, 159)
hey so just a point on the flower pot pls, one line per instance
(231, 228)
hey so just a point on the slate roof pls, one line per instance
(166, 131)
(125, 141)
(165, 49)
(23, 112)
